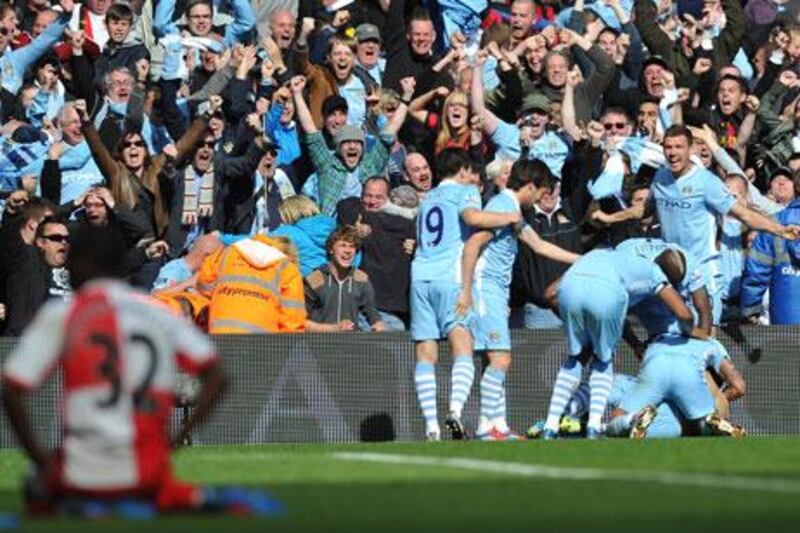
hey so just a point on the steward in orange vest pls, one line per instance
(254, 286)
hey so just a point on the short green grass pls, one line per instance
(322, 492)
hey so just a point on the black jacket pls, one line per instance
(533, 273)
(29, 284)
(233, 178)
(383, 258)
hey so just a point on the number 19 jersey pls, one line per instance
(441, 232)
(117, 352)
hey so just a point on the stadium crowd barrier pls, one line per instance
(359, 386)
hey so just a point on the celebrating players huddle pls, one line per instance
(461, 276)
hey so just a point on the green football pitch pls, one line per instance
(680, 485)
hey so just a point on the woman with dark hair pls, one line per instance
(133, 175)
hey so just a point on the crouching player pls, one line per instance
(723, 380)
(673, 378)
(117, 353)
(593, 299)
(529, 180)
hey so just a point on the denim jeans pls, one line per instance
(391, 321)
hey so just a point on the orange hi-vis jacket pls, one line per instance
(254, 286)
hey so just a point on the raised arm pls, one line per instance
(192, 135)
(417, 106)
(646, 17)
(766, 114)
(23, 58)
(730, 38)
(751, 105)
(301, 107)
(397, 120)
(162, 18)
(477, 97)
(603, 73)
(243, 21)
(568, 117)
(106, 163)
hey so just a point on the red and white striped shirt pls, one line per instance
(118, 351)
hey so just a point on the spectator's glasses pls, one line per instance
(121, 83)
(129, 144)
(57, 237)
(614, 126)
(207, 144)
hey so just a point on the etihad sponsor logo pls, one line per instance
(672, 203)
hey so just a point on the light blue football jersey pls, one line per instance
(650, 249)
(441, 232)
(688, 208)
(638, 276)
(497, 260)
(705, 353)
(653, 314)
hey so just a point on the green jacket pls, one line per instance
(332, 174)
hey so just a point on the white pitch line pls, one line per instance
(716, 481)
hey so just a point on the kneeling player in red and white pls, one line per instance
(117, 352)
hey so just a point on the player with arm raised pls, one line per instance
(491, 269)
(689, 198)
(444, 223)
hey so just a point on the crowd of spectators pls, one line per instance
(290, 142)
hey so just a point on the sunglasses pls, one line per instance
(128, 144)
(207, 144)
(613, 125)
(57, 237)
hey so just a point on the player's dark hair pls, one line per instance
(616, 110)
(679, 130)
(736, 79)
(119, 12)
(673, 264)
(46, 221)
(95, 253)
(525, 171)
(450, 162)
